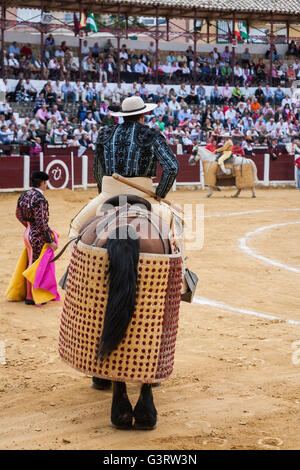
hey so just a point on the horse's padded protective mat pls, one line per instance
(210, 171)
(146, 353)
(244, 176)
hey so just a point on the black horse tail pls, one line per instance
(123, 248)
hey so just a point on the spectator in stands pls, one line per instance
(14, 50)
(144, 92)
(245, 57)
(216, 74)
(54, 69)
(30, 90)
(144, 57)
(226, 55)
(215, 96)
(286, 100)
(59, 52)
(192, 95)
(206, 72)
(13, 65)
(5, 109)
(239, 75)
(259, 95)
(85, 49)
(140, 67)
(226, 71)
(226, 92)
(291, 74)
(4, 135)
(20, 93)
(96, 50)
(110, 68)
(201, 93)
(292, 49)
(236, 95)
(68, 92)
(43, 113)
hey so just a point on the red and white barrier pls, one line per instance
(67, 170)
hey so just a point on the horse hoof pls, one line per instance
(29, 302)
(121, 413)
(122, 422)
(144, 427)
(253, 196)
(208, 195)
(145, 417)
(101, 384)
(235, 196)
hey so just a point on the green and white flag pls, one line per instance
(91, 23)
(243, 30)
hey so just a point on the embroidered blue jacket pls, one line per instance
(133, 149)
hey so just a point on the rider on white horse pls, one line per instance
(227, 152)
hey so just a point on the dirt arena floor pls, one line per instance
(236, 379)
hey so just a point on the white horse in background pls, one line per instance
(201, 153)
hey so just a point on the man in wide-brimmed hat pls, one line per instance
(133, 150)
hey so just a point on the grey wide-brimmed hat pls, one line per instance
(132, 106)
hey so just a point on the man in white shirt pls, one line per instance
(230, 113)
(22, 134)
(85, 49)
(36, 122)
(5, 108)
(152, 48)
(167, 68)
(56, 87)
(13, 64)
(286, 100)
(271, 125)
(161, 92)
(123, 53)
(88, 122)
(140, 67)
(119, 92)
(174, 107)
(218, 114)
(105, 91)
(94, 134)
(56, 113)
(133, 89)
(59, 52)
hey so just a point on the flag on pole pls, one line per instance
(82, 20)
(91, 23)
(244, 31)
(237, 33)
(229, 34)
(76, 24)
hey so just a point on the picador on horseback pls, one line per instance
(123, 282)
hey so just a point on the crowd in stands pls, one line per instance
(185, 114)
(101, 63)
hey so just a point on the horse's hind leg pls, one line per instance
(253, 192)
(237, 193)
(210, 192)
(145, 413)
(121, 409)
